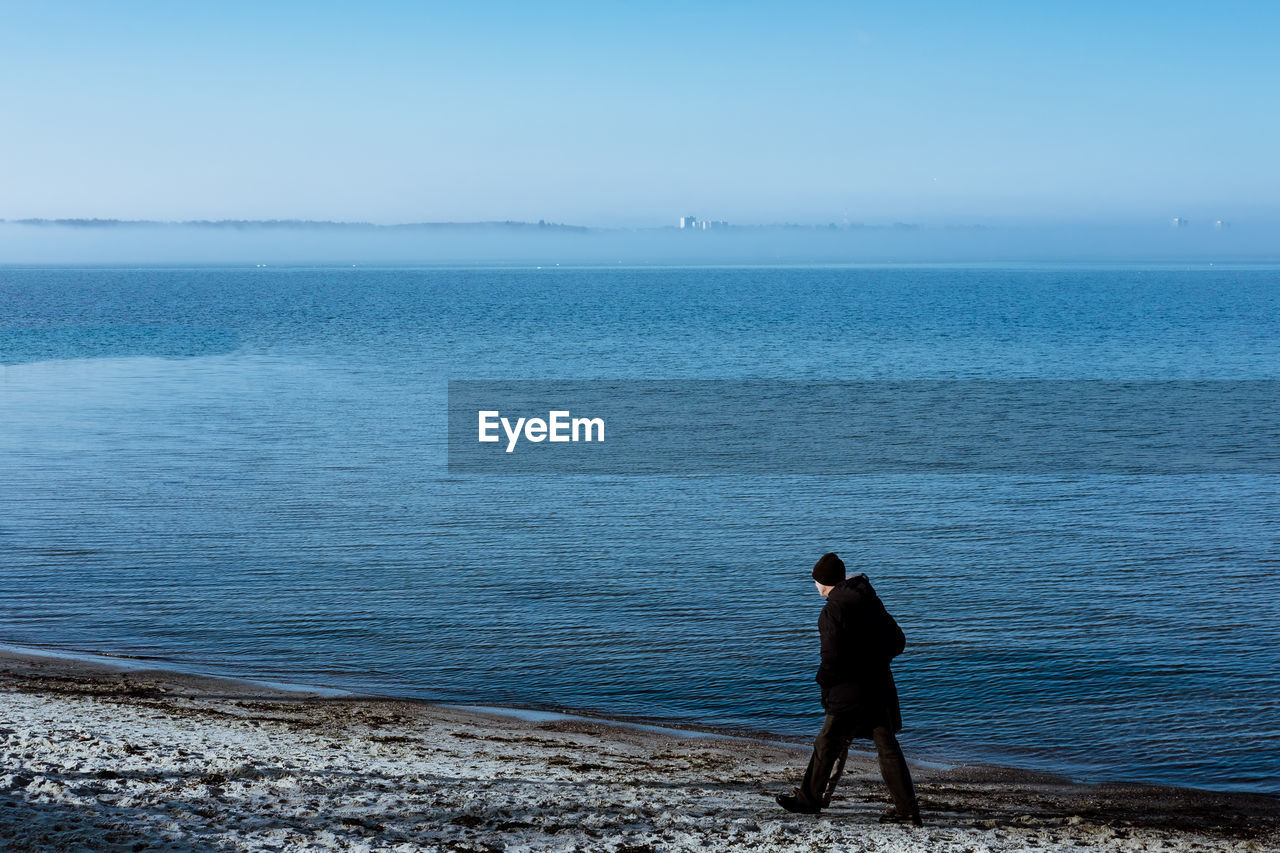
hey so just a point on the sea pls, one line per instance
(244, 471)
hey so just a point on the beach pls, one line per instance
(100, 757)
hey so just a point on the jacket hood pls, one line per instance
(851, 591)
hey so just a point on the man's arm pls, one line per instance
(897, 639)
(829, 668)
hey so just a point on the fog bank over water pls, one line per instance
(109, 242)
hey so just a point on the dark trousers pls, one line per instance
(833, 740)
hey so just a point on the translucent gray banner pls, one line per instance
(719, 427)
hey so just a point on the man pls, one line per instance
(859, 639)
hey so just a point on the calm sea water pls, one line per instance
(243, 471)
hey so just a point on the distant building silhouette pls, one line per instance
(693, 223)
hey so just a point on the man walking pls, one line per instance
(859, 639)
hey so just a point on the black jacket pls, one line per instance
(859, 639)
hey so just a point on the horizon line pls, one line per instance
(1177, 223)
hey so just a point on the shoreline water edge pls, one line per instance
(100, 754)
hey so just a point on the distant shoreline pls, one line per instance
(286, 223)
(545, 244)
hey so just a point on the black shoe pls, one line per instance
(792, 803)
(891, 816)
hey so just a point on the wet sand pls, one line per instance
(95, 757)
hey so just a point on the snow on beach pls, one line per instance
(97, 758)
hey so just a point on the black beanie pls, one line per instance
(829, 570)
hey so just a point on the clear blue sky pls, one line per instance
(615, 113)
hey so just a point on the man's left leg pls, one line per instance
(832, 740)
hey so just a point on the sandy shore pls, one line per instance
(97, 758)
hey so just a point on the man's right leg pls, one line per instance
(897, 777)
